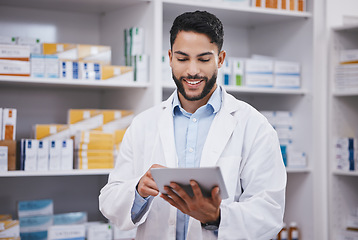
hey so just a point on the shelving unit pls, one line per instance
(248, 30)
(44, 101)
(343, 118)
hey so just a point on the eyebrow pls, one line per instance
(199, 55)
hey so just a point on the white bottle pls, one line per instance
(293, 231)
(283, 235)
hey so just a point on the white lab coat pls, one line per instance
(240, 141)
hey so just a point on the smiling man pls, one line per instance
(200, 125)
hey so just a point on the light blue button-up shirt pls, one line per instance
(190, 132)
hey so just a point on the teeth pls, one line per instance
(193, 83)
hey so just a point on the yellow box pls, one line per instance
(45, 130)
(78, 115)
(79, 52)
(97, 166)
(95, 136)
(4, 217)
(95, 153)
(94, 162)
(118, 135)
(111, 72)
(97, 145)
(10, 229)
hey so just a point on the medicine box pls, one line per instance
(3, 158)
(7, 40)
(110, 72)
(101, 231)
(44, 130)
(71, 218)
(43, 155)
(348, 56)
(37, 63)
(52, 69)
(259, 73)
(89, 71)
(55, 155)
(141, 68)
(29, 154)
(226, 72)
(67, 154)
(11, 153)
(66, 69)
(14, 52)
(287, 74)
(237, 71)
(67, 232)
(33, 43)
(35, 208)
(79, 52)
(9, 229)
(14, 68)
(35, 227)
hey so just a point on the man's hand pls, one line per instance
(146, 186)
(203, 209)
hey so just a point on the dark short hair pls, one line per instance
(200, 22)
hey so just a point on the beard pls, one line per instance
(209, 85)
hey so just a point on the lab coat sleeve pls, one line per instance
(117, 196)
(258, 208)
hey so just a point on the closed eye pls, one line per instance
(204, 60)
(182, 59)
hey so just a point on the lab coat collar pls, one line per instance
(219, 134)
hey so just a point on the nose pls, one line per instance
(193, 68)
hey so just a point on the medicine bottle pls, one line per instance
(283, 234)
(293, 232)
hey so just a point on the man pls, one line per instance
(200, 125)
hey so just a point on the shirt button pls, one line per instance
(191, 150)
(194, 119)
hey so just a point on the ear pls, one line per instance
(170, 57)
(221, 58)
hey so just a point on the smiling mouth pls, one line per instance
(193, 82)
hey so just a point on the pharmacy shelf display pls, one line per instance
(248, 31)
(343, 118)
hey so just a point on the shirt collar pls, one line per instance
(214, 101)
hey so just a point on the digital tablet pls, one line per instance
(206, 177)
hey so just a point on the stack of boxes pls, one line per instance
(97, 135)
(14, 59)
(8, 118)
(291, 5)
(347, 71)
(345, 154)
(282, 121)
(94, 150)
(38, 221)
(258, 72)
(24, 56)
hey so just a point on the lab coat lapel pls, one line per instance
(220, 132)
(166, 134)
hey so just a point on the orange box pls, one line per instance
(11, 153)
(9, 124)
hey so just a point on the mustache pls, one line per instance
(193, 77)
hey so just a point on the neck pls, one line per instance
(192, 106)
